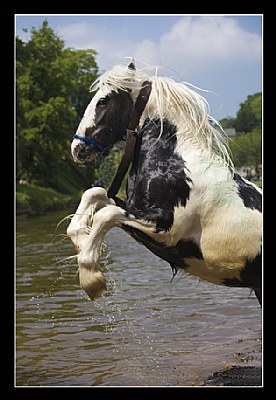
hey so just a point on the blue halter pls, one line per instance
(98, 146)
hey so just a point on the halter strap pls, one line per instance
(97, 145)
(139, 107)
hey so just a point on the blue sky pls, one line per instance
(219, 53)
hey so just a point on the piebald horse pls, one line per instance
(185, 202)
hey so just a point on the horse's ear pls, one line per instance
(131, 65)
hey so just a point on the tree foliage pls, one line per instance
(246, 147)
(52, 91)
(249, 115)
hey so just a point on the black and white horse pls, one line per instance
(185, 202)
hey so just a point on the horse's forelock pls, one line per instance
(120, 77)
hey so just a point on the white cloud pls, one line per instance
(208, 41)
(146, 51)
(85, 35)
(190, 46)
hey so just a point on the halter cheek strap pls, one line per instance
(132, 133)
(97, 145)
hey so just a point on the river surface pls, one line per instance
(144, 331)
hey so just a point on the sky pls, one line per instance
(218, 53)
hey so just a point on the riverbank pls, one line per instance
(236, 376)
(35, 200)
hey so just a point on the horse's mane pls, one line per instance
(173, 101)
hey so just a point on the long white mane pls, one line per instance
(173, 101)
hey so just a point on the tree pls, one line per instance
(52, 91)
(249, 115)
(228, 122)
(247, 148)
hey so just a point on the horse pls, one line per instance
(185, 201)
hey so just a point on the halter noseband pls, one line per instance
(97, 145)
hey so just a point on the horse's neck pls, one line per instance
(165, 175)
(200, 165)
(157, 181)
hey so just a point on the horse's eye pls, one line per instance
(103, 101)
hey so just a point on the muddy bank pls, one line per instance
(236, 375)
(240, 375)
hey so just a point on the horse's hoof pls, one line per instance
(93, 283)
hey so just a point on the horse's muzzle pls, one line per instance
(82, 153)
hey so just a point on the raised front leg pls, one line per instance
(95, 215)
(91, 278)
(92, 200)
(79, 231)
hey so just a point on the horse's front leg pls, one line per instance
(91, 278)
(92, 200)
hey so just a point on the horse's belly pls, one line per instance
(218, 267)
(217, 274)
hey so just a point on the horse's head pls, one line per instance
(107, 116)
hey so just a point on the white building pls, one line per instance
(231, 132)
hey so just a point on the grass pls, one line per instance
(33, 199)
(258, 183)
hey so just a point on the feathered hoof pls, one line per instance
(93, 283)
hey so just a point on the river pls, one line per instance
(144, 331)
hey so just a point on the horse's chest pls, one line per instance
(157, 181)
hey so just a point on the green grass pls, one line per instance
(37, 199)
(258, 183)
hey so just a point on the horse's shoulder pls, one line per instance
(158, 180)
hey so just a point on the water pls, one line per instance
(144, 331)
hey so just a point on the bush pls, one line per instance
(36, 199)
(22, 203)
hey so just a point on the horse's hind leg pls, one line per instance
(258, 293)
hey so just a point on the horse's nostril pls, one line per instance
(83, 154)
(79, 152)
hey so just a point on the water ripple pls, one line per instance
(144, 331)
